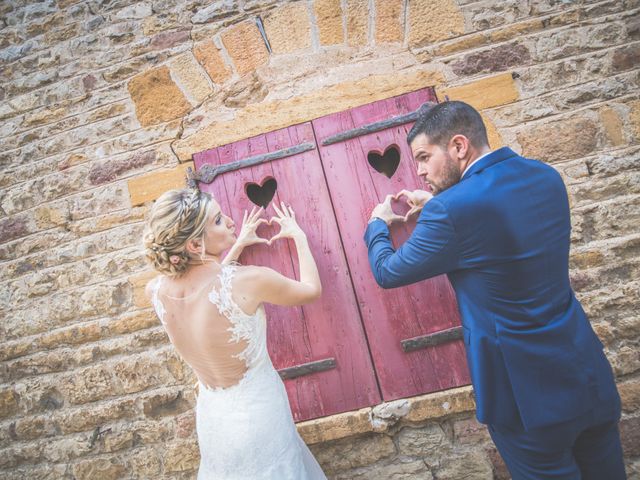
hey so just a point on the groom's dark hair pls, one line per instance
(441, 121)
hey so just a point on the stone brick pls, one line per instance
(400, 469)
(485, 93)
(188, 74)
(150, 186)
(266, 117)
(548, 141)
(181, 456)
(164, 40)
(140, 373)
(630, 436)
(472, 465)
(8, 402)
(156, 97)
(496, 59)
(389, 21)
(159, 23)
(625, 58)
(634, 118)
(145, 463)
(613, 126)
(12, 228)
(211, 60)
(345, 454)
(630, 395)
(470, 431)
(440, 404)
(165, 403)
(103, 468)
(431, 22)
(357, 22)
(89, 384)
(329, 19)
(500, 471)
(245, 46)
(132, 322)
(139, 283)
(288, 28)
(335, 427)
(423, 441)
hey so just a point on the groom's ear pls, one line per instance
(458, 146)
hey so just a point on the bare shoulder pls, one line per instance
(251, 273)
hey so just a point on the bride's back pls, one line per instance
(195, 313)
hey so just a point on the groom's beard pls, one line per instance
(450, 176)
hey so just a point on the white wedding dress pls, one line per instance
(246, 430)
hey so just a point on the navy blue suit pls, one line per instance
(502, 236)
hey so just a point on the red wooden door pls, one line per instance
(329, 331)
(427, 309)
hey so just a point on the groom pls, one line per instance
(498, 225)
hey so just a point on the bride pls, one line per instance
(213, 313)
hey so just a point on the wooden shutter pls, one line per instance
(328, 331)
(391, 317)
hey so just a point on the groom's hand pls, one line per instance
(384, 212)
(416, 200)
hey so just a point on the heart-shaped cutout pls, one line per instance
(261, 195)
(387, 163)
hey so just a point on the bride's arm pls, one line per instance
(272, 287)
(247, 235)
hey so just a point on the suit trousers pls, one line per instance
(584, 448)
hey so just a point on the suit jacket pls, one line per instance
(502, 236)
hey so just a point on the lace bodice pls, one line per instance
(243, 327)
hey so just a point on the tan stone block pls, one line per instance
(89, 384)
(103, 468)
(142, 372)
(634, 118)
(88, 417)
(160, 23)
(75, 335)
(139, 283)
(630, 395)
(109, 111)
(211, 60)
(8, 402)
(150, 186)
(510, 32)
(422, 441)
(605, 332)
(485, 93)
(144, 463)
(548, 141)
(357, 22)
(335, 427)
(347, 454)
(587, 259)
(190, 77)
(460, 44)
(494, 137)
(259, 118)
(389, 21)
(42, 117)
(441, 404)
(245, 46)
(156, 97)
(613, 126)
(52, 216)
(181, 456)
(72, 160)
(132, 322)
(329, 19)
(288, 28)
(432, 21)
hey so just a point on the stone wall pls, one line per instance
(102, 104)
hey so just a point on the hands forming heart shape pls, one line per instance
(286, 218)
(415, 199)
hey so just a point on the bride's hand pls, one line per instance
(286, 218)
(250, 223)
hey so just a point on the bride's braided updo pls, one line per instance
(176, 217)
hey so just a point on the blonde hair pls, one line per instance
(177, 217)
